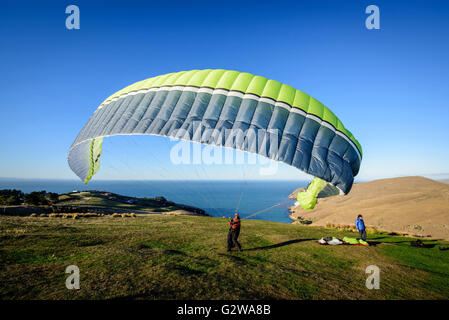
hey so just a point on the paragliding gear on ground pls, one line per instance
(298, 129)
(418, 243)
(331, 241)
(233, 233)
(322, 241)
(346, 240)
(354, 241)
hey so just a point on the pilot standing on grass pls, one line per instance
(360, 226)
(233, 234)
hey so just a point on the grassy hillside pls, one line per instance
(111, 201)
(100, 202)
(409, 205)
(184, 257)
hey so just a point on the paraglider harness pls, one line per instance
(418, 243)
(234, 225)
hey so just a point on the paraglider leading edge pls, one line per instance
(199, 105)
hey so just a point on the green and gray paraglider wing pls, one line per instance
(226, 108)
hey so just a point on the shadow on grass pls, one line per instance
(171, 252)
(278, 245)
(233, 257)
(428, 243)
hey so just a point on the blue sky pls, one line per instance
(389, 86)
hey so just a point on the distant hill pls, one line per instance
(105, 202)
(413, 205)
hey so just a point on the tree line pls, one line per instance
(13, 197)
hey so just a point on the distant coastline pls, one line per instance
(218, 198)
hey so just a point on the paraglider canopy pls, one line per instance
(230, 109)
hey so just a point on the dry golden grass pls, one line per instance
(406, 205)
(351, 228)
(73, 215)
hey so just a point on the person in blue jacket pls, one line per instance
(360, 226)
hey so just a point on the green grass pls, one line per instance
(184, 257)
(430, 260)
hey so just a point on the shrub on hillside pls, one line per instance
(36, 198)
(11, 197)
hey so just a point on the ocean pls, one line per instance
(262, 200)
